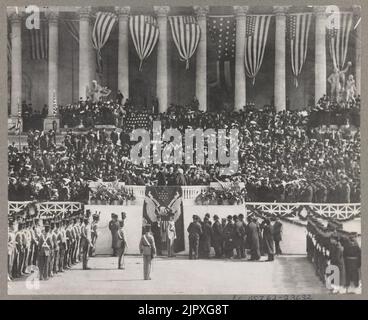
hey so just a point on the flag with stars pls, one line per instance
(255, 43)
(222, 32)
(298, 32)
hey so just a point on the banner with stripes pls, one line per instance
(186, 34)
(144, 32)
(73, 29)
(222, 32)
(298, 33)
(338, 35)
(8, 46)
(54, 104)
(40, 41)
(101, 32)
(255, 43)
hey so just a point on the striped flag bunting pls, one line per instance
(186, 34)
(144, 32)
(101, 32)
(40, 41)
(54, 104)
(257, 27)
(338, 35)
(298, 33)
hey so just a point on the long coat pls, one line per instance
(114, 227)
(268, 240)
(253, 240)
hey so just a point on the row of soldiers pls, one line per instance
(50, 245)
(329, 245)
(233, 236)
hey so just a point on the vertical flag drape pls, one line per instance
(255, 43)
(144, 32)
(73, 29)
(298, 33)
(101, 33)
(222, 30)
(186, 34)
(338, 35)
(40, 41)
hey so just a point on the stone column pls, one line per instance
(16, 67)
(240, 79)
(280, 58)
(52, 16)
(85, 50)
(201, 58)
(320, 54)
(162, 69)
(358, 47)
(123, 51)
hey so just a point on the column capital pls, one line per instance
(14, 15)
(122, 12)
(280, 10)
(240, 11)
(52, 15)
(161, 11)
(319, 10)
(201, 11)
(84, 13)
(357, 10)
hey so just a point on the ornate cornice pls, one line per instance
(161, 11)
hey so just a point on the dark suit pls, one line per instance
(195, 231)
(217, 239)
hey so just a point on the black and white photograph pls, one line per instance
(184, 150)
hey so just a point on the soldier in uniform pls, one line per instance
(114, 227)
(86, 242)
(147, 248)
(195, 231)
(56, 238)
(11, 248)
(51, 259)
(20, 249)
(70, 243)
(27, 239)
(62, 245)
(36, 234)
(121, 245)
(229, 237)
(94, 233)
(217, 238)
(352, 259)
(45, 247)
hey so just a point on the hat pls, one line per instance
(123, 215)
(215, 217)
(229, 217)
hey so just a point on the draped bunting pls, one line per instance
(298, 31)
(73, 29)
(40, 41)
(255, 43)
(186, 34)
(338, 35)
(144, 32)
(101, 33)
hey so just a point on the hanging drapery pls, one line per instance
(144, 32)
(298, 32)
(186, 34)
(101, 33)
(338, 35)
(255, 43)
(40, 41)
(222, 30)
(73, 29)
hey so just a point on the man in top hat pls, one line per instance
(229, 237)
(217, 239)
(195, 231)
(86, 242)
(114, 227)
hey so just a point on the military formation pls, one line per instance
(234, 237)
(50, 244)
(329, 246)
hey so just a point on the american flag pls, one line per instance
(222, 32)
(338, 35)
(101, 33)
(186, 34)
(144, 32)
(298, 32)
(54, 104)
(40, 41)
(255, 43)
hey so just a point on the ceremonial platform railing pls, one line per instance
(45, 208)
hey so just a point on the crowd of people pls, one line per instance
(282, 157)
(329, 245)
(234, 238)
(49, 245)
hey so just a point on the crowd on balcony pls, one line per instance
(283, 156)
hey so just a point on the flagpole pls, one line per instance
(19, 124)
